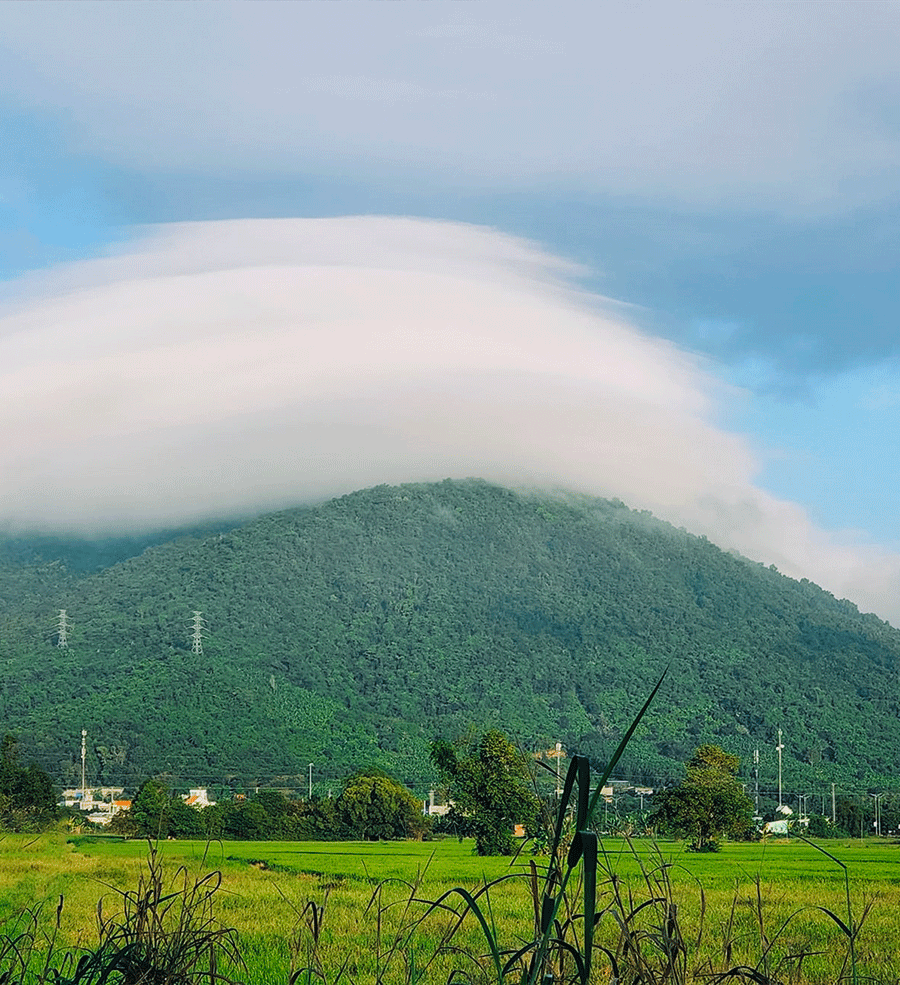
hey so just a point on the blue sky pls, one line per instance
(729, 173)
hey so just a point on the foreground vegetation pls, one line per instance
(578, 910)
(752, 906)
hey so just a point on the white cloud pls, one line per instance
(210, 368)
(378, 90)
(756, 103)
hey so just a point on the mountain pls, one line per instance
(351, 633)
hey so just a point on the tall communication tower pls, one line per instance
(756, 777)
(83, 752)
(779, 749)
(62, 630)
(197, 633)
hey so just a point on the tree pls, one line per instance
(374, 806)
(708, 803)
(150, 809)
(185, 821)
(26, 795)
(820, 827)
(157, 813)
(317, 820)
(853, 819)
(247, 822)
(490, 787)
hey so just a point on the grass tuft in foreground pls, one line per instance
(582, 914)
(165, 933)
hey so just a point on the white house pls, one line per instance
(198, 798)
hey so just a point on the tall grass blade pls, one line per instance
(617, 755)
(849, 929)
(589, 861)
(554, 894)
(573, 775)
(472, 905)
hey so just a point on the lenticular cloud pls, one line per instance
(218, 368)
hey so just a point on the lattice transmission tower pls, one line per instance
(197, 632)
(62, 629)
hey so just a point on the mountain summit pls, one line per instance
(351, 633)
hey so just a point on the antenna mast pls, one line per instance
(779, 749)
(756, 777)
(83, 751)
(62, 631)
(197, 633)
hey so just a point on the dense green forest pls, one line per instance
(350, 634)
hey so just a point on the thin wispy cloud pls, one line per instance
(210, 369)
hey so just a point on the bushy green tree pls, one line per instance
(247, 822)
(373, 806)
(26, 795)
(708, 803)
(491, 788)
(150, 809)
(156, 813)
(317, 820)
(820, 827)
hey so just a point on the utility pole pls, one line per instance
(756, 778)
(197, 633)
(83, 752)
(779, 749)
(558, 754)
(62, 632)
(310, 780)
(877, 824)
(833, 808)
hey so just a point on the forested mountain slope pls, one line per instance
(351, 633)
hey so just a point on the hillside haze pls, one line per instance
(352, 633)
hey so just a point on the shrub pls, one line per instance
(375, 807)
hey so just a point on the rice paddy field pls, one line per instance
(358, 912)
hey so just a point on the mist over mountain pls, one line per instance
(352, 633)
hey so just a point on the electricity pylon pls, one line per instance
(197, 633)
(62, 631)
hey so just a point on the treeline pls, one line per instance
(371, 807)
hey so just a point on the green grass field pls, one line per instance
(733, 907)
